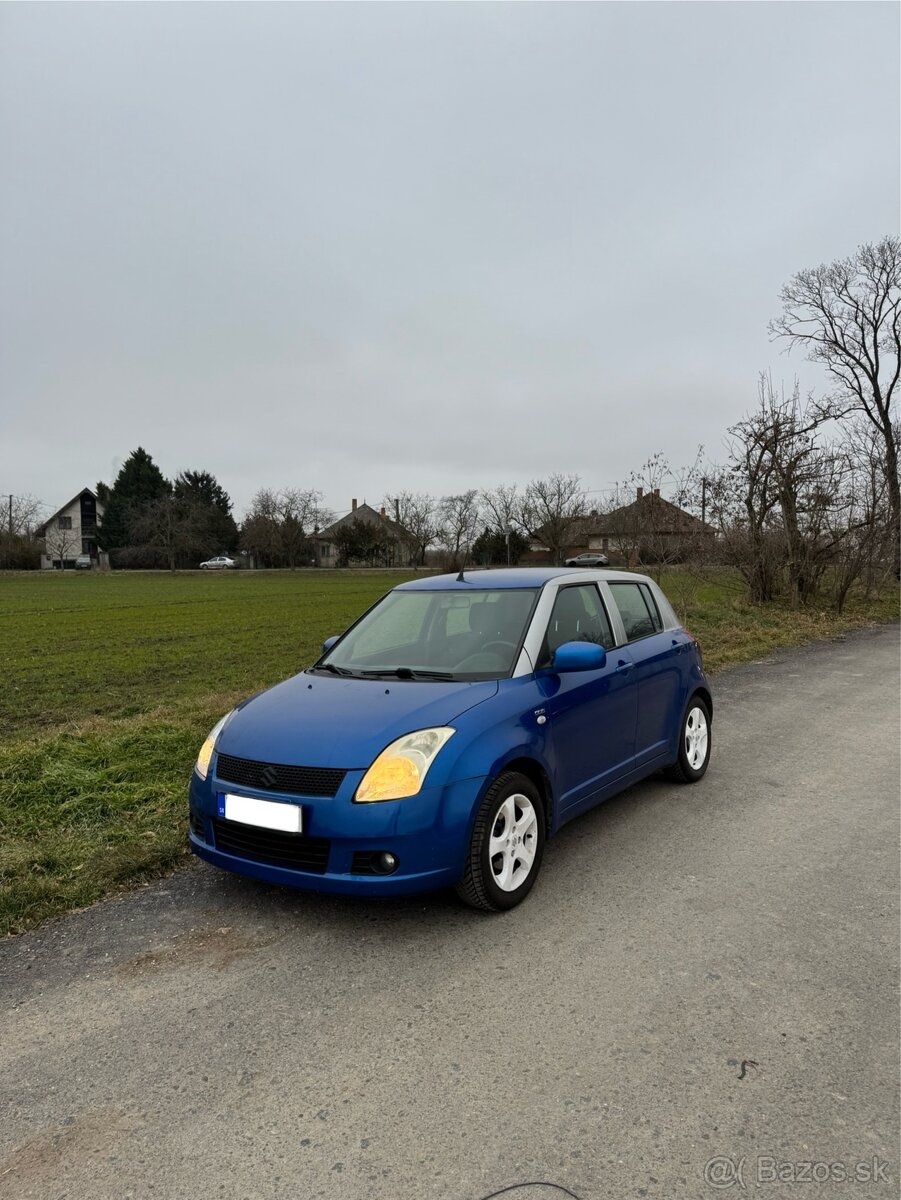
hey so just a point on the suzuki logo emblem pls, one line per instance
(268, 776)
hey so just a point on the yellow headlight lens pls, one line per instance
(203, 758)
(389, 779)
(206, 750)
(401, 768)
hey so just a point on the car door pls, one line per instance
(657, 656)
(590, 715)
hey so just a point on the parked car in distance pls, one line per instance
(222, 563)
(456, 725)
(589, 560)
(83, 562)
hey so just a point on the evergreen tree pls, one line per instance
(138, 485)
(490, 548)
(210, 503)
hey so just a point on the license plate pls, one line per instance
(266, 814)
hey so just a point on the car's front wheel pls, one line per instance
(695, 742)
(506, 847)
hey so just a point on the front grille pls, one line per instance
(270, 846)
(274, 777)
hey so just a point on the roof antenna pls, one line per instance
(460, 578)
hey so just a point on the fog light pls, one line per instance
(386, 862)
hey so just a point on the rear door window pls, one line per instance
(637, 608)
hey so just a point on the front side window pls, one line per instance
(578, 616)
(474, 634)
(637, 609)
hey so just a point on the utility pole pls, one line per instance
(704, 500)
(10, 514)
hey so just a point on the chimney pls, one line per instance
(382, 512)
(397, 511)
(657, 492)
(353, 506)
(640, 493)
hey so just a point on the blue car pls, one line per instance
(449, 731)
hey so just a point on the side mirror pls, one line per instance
(578, 656)
(329, 642)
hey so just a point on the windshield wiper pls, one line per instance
(407, 673)
(331, 667)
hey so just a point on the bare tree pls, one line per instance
(19, 519)
(260, 534)
(279, 523)
(21, 515)
(175, 526)
(743, 503)
(624, 524)
(792, 508)
(459, 518)
(858, 520)
(61, 541)
(418, 515)
(299, 511)
(500, 507)
(549, 510)
(847, 315)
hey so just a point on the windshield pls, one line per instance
(437, 635)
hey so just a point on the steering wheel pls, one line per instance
(505, 645)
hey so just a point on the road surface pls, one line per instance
(702, 974)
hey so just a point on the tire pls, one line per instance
(695, 743)
(512, 807)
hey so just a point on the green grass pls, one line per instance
(110, 683)
(78, 645)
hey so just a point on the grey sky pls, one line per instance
(373, 247)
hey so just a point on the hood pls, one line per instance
(325, 721)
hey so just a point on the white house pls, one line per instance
(71, 531)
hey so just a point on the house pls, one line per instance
(649, 529)
(652, 529)
(71, 531)
(389, 545)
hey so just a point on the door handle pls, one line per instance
(623, 667)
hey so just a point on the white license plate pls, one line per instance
(267, 814)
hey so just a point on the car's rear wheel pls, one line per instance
(507, 845)
(695, 742)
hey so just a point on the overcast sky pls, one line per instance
(371, 247)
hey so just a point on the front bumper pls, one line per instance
(428, 834)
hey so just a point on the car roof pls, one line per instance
(512, 577)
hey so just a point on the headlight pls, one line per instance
(400, 769)
(206, 750)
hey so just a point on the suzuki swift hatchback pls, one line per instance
(449, 731)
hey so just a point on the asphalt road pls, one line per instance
(208, 1037)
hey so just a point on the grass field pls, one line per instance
(111, 682)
